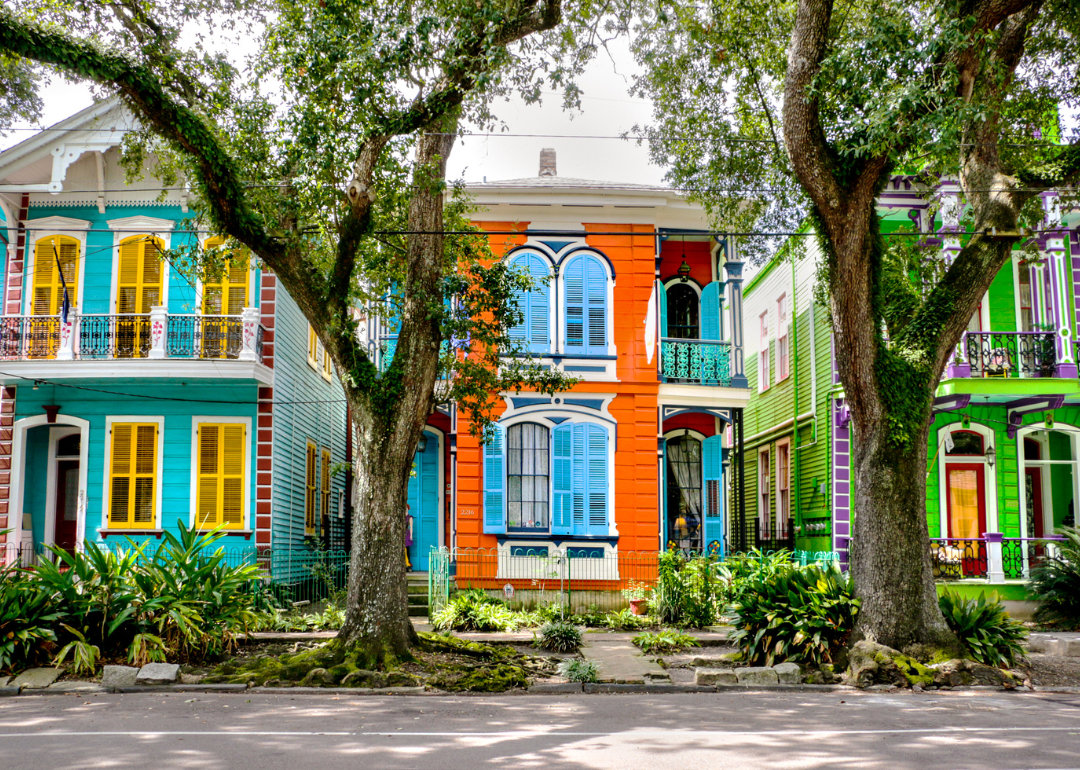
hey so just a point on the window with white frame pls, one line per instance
(782, 337)
(763, 352)
(764, 484)
(527, 477)
(783, 488)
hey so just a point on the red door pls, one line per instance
(967, 512)
(67, 504)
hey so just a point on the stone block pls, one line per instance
(716, 661)
(788, 673)
(118, 676)
(37, 678)
(9, 690)
(4, 681)
(158, 673)
(709, 676)
(76, 687)
(757, 675)
(192, 678)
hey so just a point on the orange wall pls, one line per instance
(634, 408)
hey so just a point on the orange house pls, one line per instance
(642, 303)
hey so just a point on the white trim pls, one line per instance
(559, 405)
(16, 372)
(784, 441)
(106, 497)
(553, 315)
(1048, 509)
(39, 229)
(249, 480)
(152, 227)
(609, 307)
(18, 469)
(55, 434)
(989, 490)
(765, 450)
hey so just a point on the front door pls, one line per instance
(424, 503)
(67, 504)
(967, 511)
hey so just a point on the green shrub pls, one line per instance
(664, 642)
(1056, 584)
(802, 614)
(592, 617)
(688, 590)
(578, 670)
(27, 619)
(558, 637)
(625, 620)
(474, 610)
(746, 571)
(986, 630)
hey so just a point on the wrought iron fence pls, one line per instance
(23, 337)
(113, 336)
(1020, 555)
(701, 362)
(204, 336)
(958, 558)
(1011, 354)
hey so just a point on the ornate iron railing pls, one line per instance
(260, 335)
(204, 336)
(699, 362)
(24, 337)
(1011, 354)
(953, 558)
(1019, 555)
(113, 336)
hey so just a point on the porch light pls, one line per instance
(991, 456)
(684, 270)
(421, 445)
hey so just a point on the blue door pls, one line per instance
(424, 503)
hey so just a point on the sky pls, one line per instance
(607, 111)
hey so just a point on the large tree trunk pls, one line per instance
(390, 423)
(890, 550)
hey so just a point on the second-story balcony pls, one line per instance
(695, 362)
(154, 335)
(1007, 354)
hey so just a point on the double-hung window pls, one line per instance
(133, 475)
(139, 288)
(324, 491)
(585, 285)
(220, 491)
(763, 352)
(540, 480)
(534, 330)
(764, 489)
(782, 337)
(310, 490)
(783, 488)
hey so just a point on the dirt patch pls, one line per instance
(1052, 670)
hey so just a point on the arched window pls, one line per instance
(138, 288)
(684, 509)
(586, 306)
(682, 312)
(225, 291)
(55, 254)
(527, 477)
(965, 442)
(534, 329)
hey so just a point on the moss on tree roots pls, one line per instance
(442, 662)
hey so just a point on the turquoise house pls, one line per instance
(149, 397)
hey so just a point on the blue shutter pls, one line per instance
(391, 327)
(494, 497)
(596, 311)
(596, 444)
(562, 480)
(539, 332)
(661, 292)
(574, 284)
(578, 478)
(712, 462)
(426, 526)
(710, 311)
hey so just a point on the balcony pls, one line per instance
(991, 557)
(695, 362)
(154, 335)
(1007, 355)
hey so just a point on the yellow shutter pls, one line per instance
(312, 346)
(327, 364)
(325, 490)
(48, 290)
(220, 493)
(227, 293)
(133, 476)
(309, 499)
(139, 280)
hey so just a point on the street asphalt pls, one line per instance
(958, 731)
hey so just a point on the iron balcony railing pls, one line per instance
(1011, 354)
(695, 362)
(119, 336)
(965, 558)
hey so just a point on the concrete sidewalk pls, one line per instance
(621, 662)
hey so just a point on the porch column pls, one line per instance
(66, 349)
(249, 318)
(734, 267)
(995, 566)
(1057, 265)
(159, 320)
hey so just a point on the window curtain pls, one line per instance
(686, 463)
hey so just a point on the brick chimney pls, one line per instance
(547, 162)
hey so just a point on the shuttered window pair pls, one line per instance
(226, 293)
(220, 493)
(48, 288)
(585, 285)
(139, 288)
(133, 476)
(579, 481)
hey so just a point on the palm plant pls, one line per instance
(1056, 583)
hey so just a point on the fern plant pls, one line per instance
(1056, 584)
(578, 670)
(986, 630)
(558, 637)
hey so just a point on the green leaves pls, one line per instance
(1056, 583)
(985, 628)
(664, 642)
